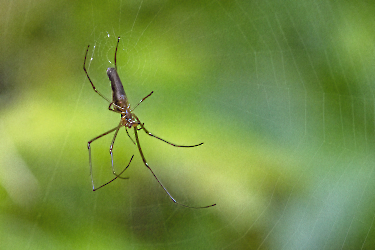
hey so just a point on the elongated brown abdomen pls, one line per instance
(118, 92)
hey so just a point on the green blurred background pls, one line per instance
(280, 92)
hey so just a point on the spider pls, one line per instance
(120, 104)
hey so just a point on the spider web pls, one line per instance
(281, 94)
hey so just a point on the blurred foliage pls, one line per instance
(281, 94)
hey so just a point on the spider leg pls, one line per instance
(143, 100)
(84, 68)
(90, 161)
(111, 152)
(110, 107)
(89, 148)
(126, 129)
(118, 40)
(146, 164)
(170, 143)
(116, 175)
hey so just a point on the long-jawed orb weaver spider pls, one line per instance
(120, 104)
